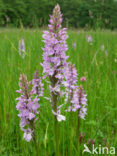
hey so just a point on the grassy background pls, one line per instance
(101, 88)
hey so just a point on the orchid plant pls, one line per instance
(63, 83)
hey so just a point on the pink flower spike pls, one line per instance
(74, 45)
(89, 141)
(83, 79)
(27, 106)
(22, 48)
(93, 142)
(81, 135)
(89, 39)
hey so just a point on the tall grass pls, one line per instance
(101, 88)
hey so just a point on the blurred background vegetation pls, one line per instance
(88, 14)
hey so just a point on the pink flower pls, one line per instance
(28, 135)
(75, 95)
(83, 79)
(74, 45)
(37, 84)
(22, 48)
(59, 116)
(93, 142)
(28, 107)
(89, 39)
(54, 58)
(89, 141)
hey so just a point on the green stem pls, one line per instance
(56, 136)
(78, 134)
(55, 124)
(54, 105)
(78, 129)
(36, 146)
(71, 132)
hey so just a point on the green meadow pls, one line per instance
(98, 65)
